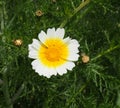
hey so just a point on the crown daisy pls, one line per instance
(52, 53)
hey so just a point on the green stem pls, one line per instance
(5, 89)
(1, 82)
(105, 52)
(82, 5)
(10, 22)
(17, 94)
(2, 18)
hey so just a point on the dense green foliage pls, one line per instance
(96, 26)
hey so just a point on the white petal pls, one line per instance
(74, 42)
(39, 68)
(73, 57)
(35, 64)
(60, 33)
(69, 65)
(33, 54)
(30, 47)
(73, 48)
(43, 70)
(51, 32)
(61, 70)
(33, 48)
(35, 44)
(67, 40)
(52, 71)
(42, 36)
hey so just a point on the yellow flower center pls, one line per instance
(54, 54)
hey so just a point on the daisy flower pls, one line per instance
(52, 53)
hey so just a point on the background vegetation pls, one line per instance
(94, 23)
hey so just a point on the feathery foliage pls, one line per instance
(94, 23)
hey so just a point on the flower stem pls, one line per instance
(2, 17)
(1, 82)
(5, 89)
(105, 52)
(17, 94)
(82, 5)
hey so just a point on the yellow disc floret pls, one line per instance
(54, 54)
